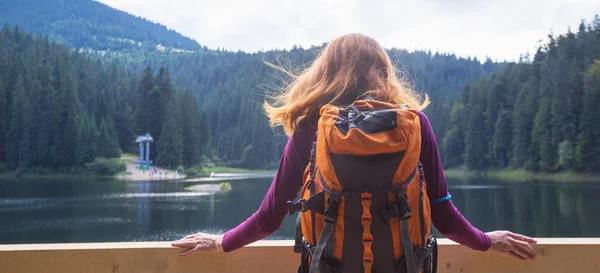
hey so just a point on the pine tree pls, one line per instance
(502, 139)
(475, 140)
(122, 114)
(523, 115)
(107, 145)
(541, 143)
(29, 127)
(453, 143)
(67, 119)
(163, 81)
(205, 137)
(154, 123)
(170, 148)
(566, 155)
(453, 148)
(16, 138)
(563, 118)
(45, 125)
(588, 147)
(86, 140)
(4, 115)
(190, 122)
(577, 94)
(143, 113)
(495, 98)
(86, 89)
(112, 131)
(260, 143)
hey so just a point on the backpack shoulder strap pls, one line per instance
(330, 216)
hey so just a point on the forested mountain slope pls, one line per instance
(539, 114)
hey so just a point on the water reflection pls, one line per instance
(98, 211)
(143, 212)
(542, 209)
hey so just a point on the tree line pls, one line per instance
(61, 109)
(132, 91)
(232, 86)
(538, 114)
(533, 114)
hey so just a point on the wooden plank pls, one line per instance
(555, 255)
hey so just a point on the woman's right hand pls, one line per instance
(514, 245)
(200, 242)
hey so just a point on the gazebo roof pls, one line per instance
(146, 138)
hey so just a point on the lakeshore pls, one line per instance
(519, 175)
(220, 173)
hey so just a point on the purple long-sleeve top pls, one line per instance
(288, 181)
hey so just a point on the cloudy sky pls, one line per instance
(500, 29)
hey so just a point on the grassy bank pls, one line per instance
(100, 168)
(523, 175)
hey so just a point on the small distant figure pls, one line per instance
(212, 173)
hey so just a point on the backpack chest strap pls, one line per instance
(314, 203)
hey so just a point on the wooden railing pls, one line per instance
(560, 255)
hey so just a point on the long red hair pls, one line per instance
(350, 66)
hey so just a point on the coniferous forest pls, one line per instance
(74, 91)
(211, 107)
(539, 114)
(231, 87)
(62, 109)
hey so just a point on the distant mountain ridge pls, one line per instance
(91, 25)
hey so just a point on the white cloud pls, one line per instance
(495, 28)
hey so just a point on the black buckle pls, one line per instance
(293, 207)
(306, 247)
(399, 209)
(404, 209)
(431, 242)
(360, 117)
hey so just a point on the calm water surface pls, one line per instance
(53, 211)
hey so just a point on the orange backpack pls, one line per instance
(364, 205)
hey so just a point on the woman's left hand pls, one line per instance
(515, 245)
(200, 242)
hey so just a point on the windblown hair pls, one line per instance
(349, 67)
